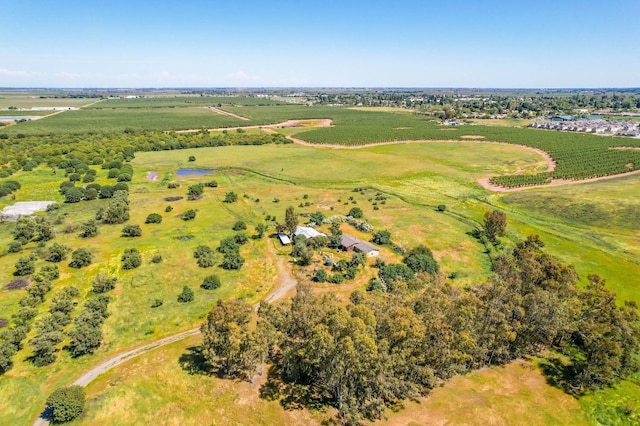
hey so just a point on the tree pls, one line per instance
(85, 339)
(66, 403)
(261, 228)
(103, 283)
(57, 253)
(356, 213)
(290, 220)
(211, 282)
(317, 218)
(382, 237)
(420, 259)
(232, 261)
(230, 197)
(131, 258)
(81, 257)
(130, 231)
(118, 209)
(225, 335)
(186, 295)
(24, 266)
(73, 195)
(204, 256)
(89, 229)
(495, 224)
(25, 230)
(153, 218)
(194, 192)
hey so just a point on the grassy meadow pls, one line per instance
(593, 226)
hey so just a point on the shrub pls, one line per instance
(337, 278)
(156, 258)
(14, 247)
(66, 403)
(156, 303)
(130, 231)
(168, 209)
(356, 213)
(441, 208)
(230, 197)
(57, 253)
(173, 185)
(211, 184)
(321, 276)
(154, 218)
(241, 238)
(192, 158)
(103, 283)
(89, 229)
(211, 282)
(186, 295)
(131, 258)
(189, 215)
(232, 261)
(24, 266)
(239, 226)
(382, 237)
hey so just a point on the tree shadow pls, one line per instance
(558, 374)
(194, 362)
(292, 396)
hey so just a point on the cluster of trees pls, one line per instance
(11, 338)
(50, 327)
(86, 336)
(230, 249)
(384, 347)
(28, 229)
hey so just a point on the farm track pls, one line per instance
(228, 114)
(286, 284)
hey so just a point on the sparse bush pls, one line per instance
(173, 185)
(189, 215)
(130, 231)
(157, 258)
(156, 303)
(239, 226)
(230, 197)
(186, 295)
(168, 209)
(211, 282)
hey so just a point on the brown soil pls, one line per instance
(17, 284)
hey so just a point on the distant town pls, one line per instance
(595, 125)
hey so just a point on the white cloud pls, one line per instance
(17, 73)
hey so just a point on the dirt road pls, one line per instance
(286, 284)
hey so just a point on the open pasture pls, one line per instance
(183, 101)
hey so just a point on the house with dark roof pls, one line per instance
(352, 243)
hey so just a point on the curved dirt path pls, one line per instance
(317, 122)
(287, 283)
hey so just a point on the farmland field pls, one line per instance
(593, 226)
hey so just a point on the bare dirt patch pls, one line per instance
(3, 322)
(17, 284)
(402, 128)
(320, 122)
(472, 137)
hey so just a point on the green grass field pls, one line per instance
(593, 226)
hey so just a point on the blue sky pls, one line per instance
(189, 43)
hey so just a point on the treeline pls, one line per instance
(383, 347)
(74, 153)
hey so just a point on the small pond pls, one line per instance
(193, 172)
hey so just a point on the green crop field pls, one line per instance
(593, 226)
